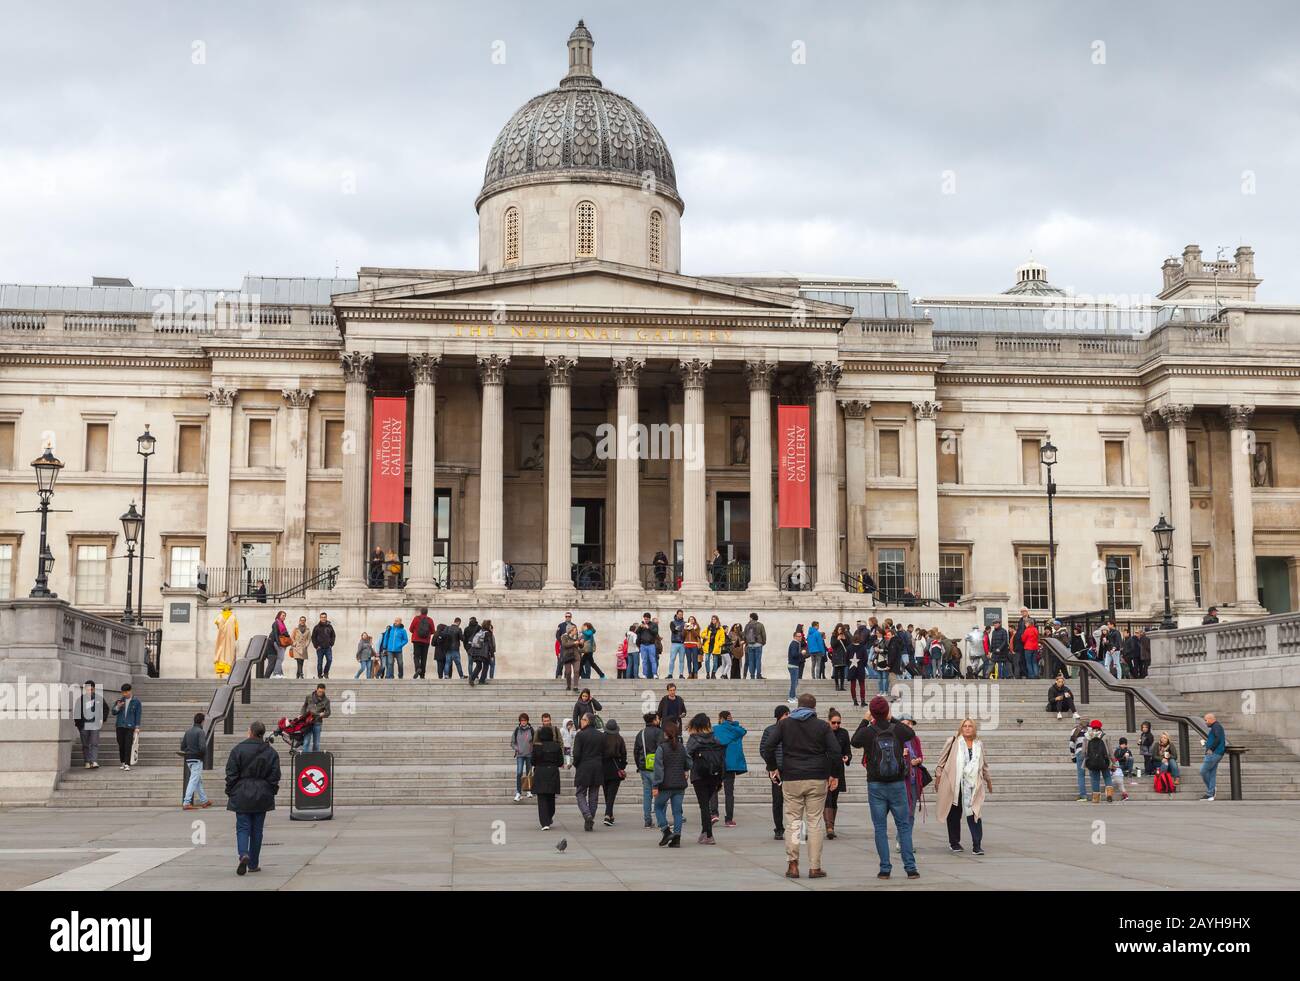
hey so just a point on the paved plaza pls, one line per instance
(1140, 846)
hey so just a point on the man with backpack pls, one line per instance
(1096, 760)
(882, 740)
(643, 753)
(809, 766)
(422, 633)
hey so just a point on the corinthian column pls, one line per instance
(298, 401)
(559, 478)
(627, 544)
(356, 440)
(855, 482)
(694, 373)
(927, 496)
(1180, 503)
(222, 401)
(1243, 512)
(1158, 484)
(424, 369)
(492, 373)
(826, 377)
(762, 577)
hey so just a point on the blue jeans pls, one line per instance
(363, 668)
(1031, 665)
(1209, 771)
(647, 797)
(885, 799)
(1112, 658)
(794, 679)
(711, 663)
(882, 682)
(649, 661)
(324, 658)
(195, 786)
(522, 765)
(1096, 778)
(661, 809)
(1078, 766)
(248, 836)
(754, 660)
(311, 739)
(385, 665)
(676, 657)
(453, 660)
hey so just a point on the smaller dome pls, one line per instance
(1031, 280)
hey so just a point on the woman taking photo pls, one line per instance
(963, 776)
(691, 643)
(548, 757)
(708, 764)
(846, 757)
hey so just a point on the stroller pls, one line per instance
(293, 731)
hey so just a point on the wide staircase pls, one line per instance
(442, 742)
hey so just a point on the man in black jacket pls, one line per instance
(252, 781)
(647, 632)
(778, 794)
(588, 768)
(882, 740)
(810, 766)
(192, 746)
(1000, 650)
(322, 638)
(672, 705)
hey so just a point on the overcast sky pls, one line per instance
(120, 155)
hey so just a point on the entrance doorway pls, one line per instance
(1274, 584)
(733, 541)
(587, 543)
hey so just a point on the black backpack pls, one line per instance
(710, 761)
(1096, 756)
(885, 764)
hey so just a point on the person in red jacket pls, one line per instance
(1030, 637)
(423, 630)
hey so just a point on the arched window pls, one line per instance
(586, 245)
(512, 235)
(655, 249)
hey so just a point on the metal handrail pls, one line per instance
(222, 706)
(1153, 703)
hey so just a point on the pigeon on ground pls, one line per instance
(562, 844)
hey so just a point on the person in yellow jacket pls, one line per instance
(227, 625)
(714, 642)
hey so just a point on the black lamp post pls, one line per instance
(1164, 533)
(47, 467)
(131, 522)
(145, 444)
(1047, 456)
(1112, 573)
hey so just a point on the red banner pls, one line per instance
(794, 508)
(388, 461)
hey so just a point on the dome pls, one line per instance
(579, 131)
(1031, 280)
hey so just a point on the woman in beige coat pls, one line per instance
(962, 777)
(300, 638)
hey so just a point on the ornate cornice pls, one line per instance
(424, 368)
(733, 320)
(627, 371)
(927, 410)
(826, 375)
(559, 370)
(1175, 415)
(492, 369)
(222, 397)
(759, 374)
(298, 398)
(1152, 421)
(356, 366)
(32, 360)
(694, 372)
(1238, 416)
(855, 408)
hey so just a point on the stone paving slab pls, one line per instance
(1133, 846)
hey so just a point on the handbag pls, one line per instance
(926, 779)
(135, 747)
(526, 782)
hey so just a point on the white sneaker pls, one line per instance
(1058, 715)
(518, 798)
(530, 795)
(1076, 715)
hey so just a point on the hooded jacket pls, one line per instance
(252, 777)
(810, 749)
(732, 736)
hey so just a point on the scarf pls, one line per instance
(969, 775)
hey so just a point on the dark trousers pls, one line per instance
(588, 801)
(704, 792)
(778, 809)
(478, 669)
(954, 827)
(124, 740)
(837, 676)
(611, 791)
(545, 809)
(300, 661)
(420, 660)
(729, 796)
(589, 665)
(248, 837)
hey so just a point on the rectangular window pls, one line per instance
(97, 447)
(890, 573)
(184, 572)
(259, 443)
(1114, 463)
(8, 438)
(948, 469)
(189, 450)
(1196, 579)
(6, 571)
(890, 457)
(1193, 475)
(92, 574)
(1033, 580)
(1121, 590)
(952, 576)
(327, 555)
(333, 444)
(1030, 467)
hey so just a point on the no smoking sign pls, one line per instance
(312, 781)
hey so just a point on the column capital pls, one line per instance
(627, 371)
(1152, 421)
(559, 370)
(492, 369)
(1238, 416)
(222, 397)
(356, 366)
(298, 398)
(1176, 415)
(424, 368)
(855, 408)
(927, 410)
(760, 375)
(694, 372)
(826, 375)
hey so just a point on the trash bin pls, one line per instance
(313, 787)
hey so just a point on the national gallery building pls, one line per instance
(521, 438)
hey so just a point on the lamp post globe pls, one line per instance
(1164, 535)
(145, 445)
(47, 467)
(131, 523)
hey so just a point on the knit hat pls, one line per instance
(611, 725)
(880, 708)
(1095, 724)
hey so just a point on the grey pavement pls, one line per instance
(1157, 845)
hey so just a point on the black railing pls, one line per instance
(593, 575)
(660, 578)
(729, 577)
(253, 584)
(457, 575)
(1094, 671)
(152, 645)
(525, 575)
(913, 589)
(798, 577)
